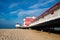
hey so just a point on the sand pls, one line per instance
(26, 34)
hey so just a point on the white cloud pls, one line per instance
(47, 2)
(13, 5)
(27, 12)
(13, 12)
(34, 6)
(37, 5)
(22, 13)
(16, 11)
(32, 12)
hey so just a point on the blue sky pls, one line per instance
(14, 11)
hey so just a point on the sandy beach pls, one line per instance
(26, 34)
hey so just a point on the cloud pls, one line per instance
(47, 2)
(13, 5)
(16, 11)
(37, 5)
(35, 12)
(21, 12)
(13, 12)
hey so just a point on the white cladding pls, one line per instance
(17, 25)
(47, 18)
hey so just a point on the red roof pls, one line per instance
(28, 21)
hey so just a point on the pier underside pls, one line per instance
(48, 26)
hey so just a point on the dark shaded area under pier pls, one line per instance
(48, 26)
